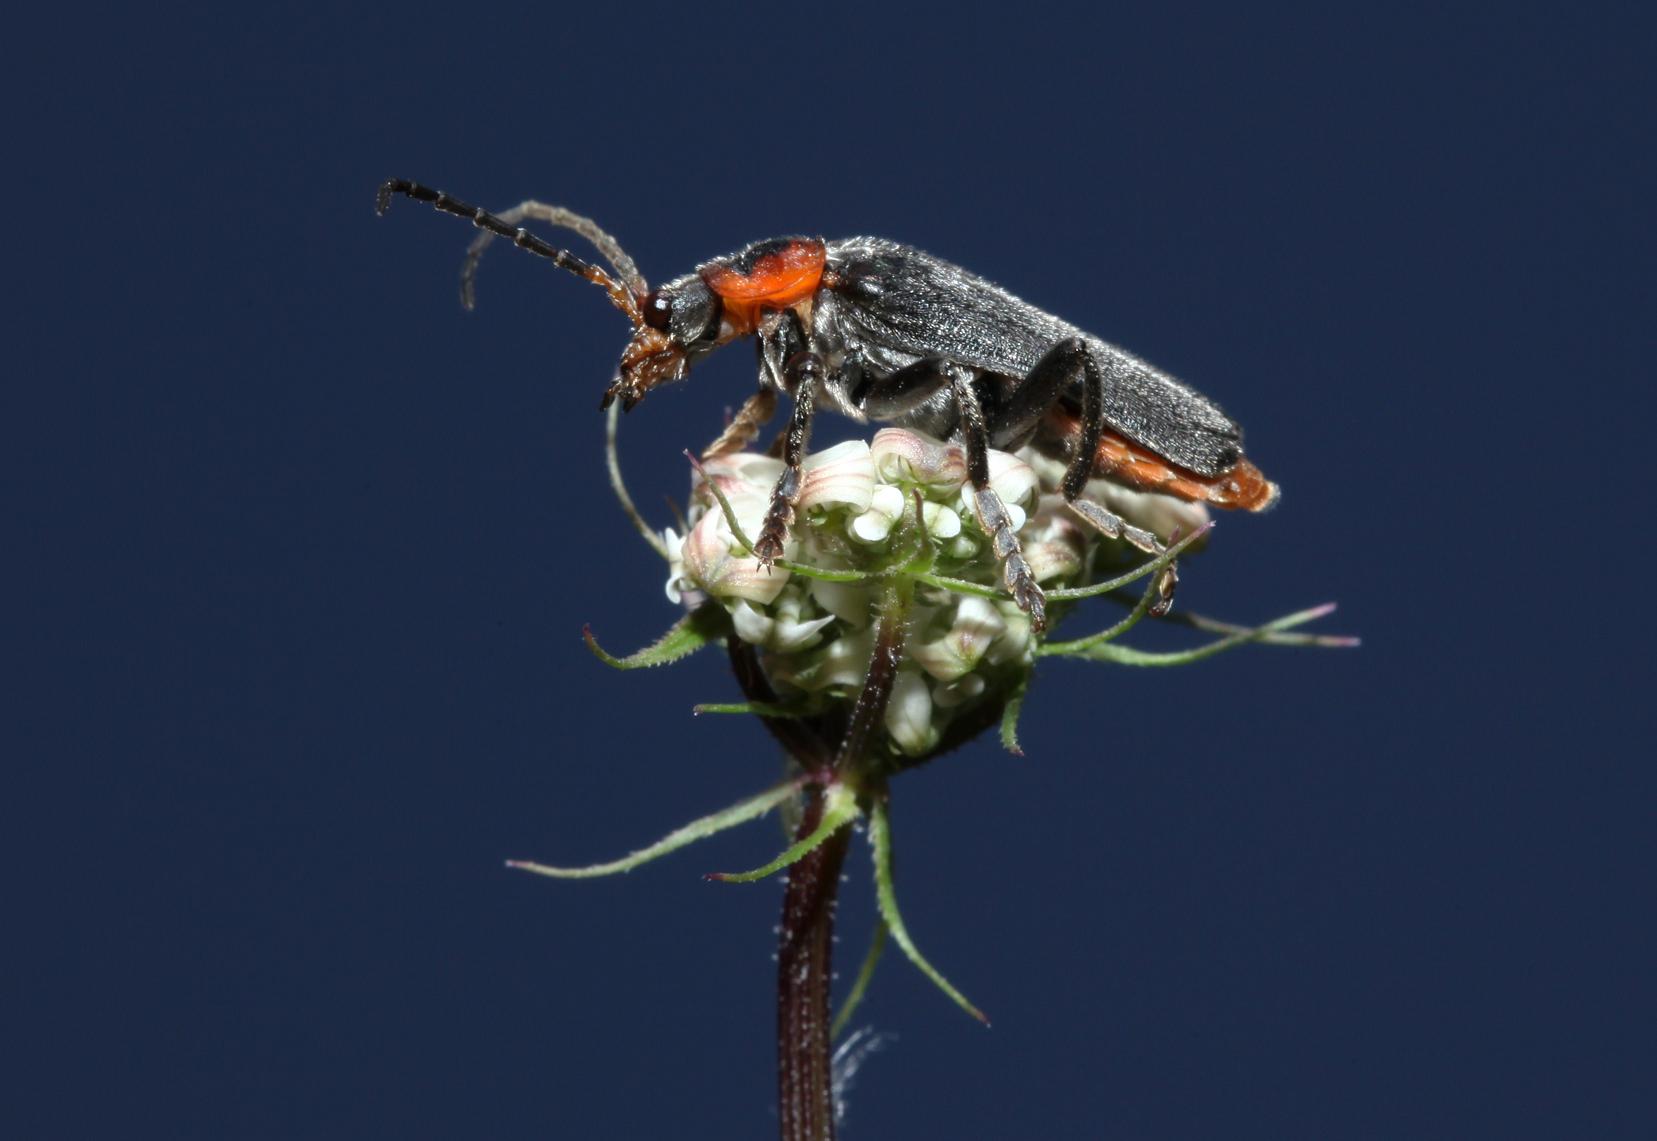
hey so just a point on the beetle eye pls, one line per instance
(657, 309)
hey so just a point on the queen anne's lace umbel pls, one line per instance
(857, 513)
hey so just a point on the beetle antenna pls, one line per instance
(623, 296)
(607, 246)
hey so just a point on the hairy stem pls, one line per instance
(805, 1077)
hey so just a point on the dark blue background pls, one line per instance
(299, 554)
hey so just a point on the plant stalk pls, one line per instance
(805, 1081)
(805, 1077)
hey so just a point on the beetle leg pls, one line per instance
(1024, 407)
(1081, 469)
(755, 412)
(898, 392)
(992, 513)
(802, 373)
(1015, 417)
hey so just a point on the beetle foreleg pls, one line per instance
(992, 513)
(803, 371)
(754, 414)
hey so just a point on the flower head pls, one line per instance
(896, 506)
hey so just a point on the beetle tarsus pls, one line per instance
(802, 373)
(768, 547)
(1112, 526)
(1167, 581)
(1016, 575)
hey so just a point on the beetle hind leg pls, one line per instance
(1113, 526)
(992, 514)
(1041, 388)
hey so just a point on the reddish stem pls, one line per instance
(805, 1083)
(804, 1069)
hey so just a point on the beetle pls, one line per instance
(880, 331)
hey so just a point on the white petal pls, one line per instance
(1014, 480)
(745, 467)
(1015, 642)
(958, 692)
(1162, 515)
(792, 636)
(1051, 559)
(976, 624)
(885, 509)
(909, 713)
(795, 625)
(1015, 513)
(841, 665)
(871, 526)
(941, 522)
(752, 625)
(851, 602)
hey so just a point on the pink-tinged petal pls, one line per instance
(1054, 542)
(1051, 559)
(902, 456)
(842, 476)
(760, 471)
(713, 566)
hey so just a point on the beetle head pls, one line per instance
(676, 325)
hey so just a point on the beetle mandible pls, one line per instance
(881, 331)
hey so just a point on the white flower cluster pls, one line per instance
(856, 513)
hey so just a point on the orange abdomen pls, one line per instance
(1125, 462)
